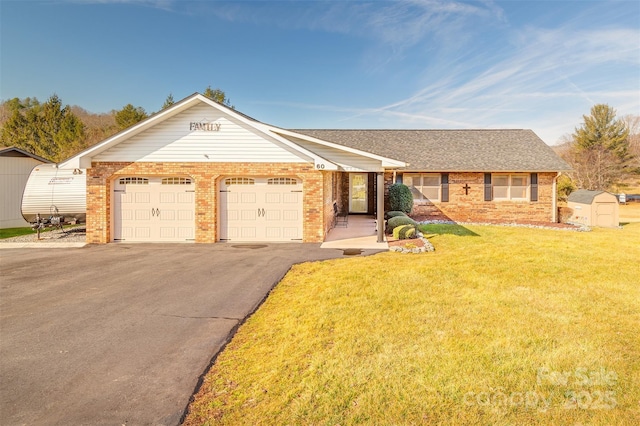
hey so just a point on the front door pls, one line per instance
(358, 184)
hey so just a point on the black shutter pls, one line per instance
(534, 187)
(444, 183)
(399, 178)
(487, 187)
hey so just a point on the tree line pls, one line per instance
(55, 131)
(603, 152)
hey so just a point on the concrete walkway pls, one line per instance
(42, 245)
(360, 233)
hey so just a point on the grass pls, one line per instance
(499, 326)
(16, 232)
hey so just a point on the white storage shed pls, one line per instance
(594, 208)
(15, 167)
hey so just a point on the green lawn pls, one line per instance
(15, 232)
(499, 326)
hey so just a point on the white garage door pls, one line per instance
(154, 209)
(261, 209)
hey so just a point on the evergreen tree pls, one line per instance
(48, 130)
(219, 96)
(129, 115)
(599, 150)
(168, 102)
(602, 131)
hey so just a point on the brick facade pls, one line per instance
(321, 190)
(472, 207)
(206, 176)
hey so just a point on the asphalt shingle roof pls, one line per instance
(451, 150)
(583, 196)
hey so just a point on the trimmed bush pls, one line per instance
(400, 198)
(404, 232)
(392, 213)
(394, 222)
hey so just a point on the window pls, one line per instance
(423, 186)
(239, 181)
(176, 181)
(133, 181)
(510, 187)
(282, 181)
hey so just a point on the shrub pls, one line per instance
(404, 232)
(400, 198)
(393, 213)
(394, 222)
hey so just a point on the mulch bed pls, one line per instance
(417, 242)
(498, 222)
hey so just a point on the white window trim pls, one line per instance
(425, 199)
(509, 186)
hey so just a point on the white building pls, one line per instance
(15, 167)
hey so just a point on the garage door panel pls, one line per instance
(185, 215)
(247, 232)
(143, 232)
(273, 215)
(167, 232)
(291, 233)
(233, 232)
(142, 214)
(167, 197)
(290, 215)
(142, 197)
(186, 233)
(273, 233)
(248, 197)
(260, 209)
(159, 209)
(249, 215)
(273, 198)
(167, 215)
(291, 198)
(127, 215)
(185, 198)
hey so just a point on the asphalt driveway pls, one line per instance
(120, 334)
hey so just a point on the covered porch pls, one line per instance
(359, 233)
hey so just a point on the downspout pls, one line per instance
(554, 199)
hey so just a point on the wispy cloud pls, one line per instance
(551, 76)
(158, 4)
(399, 23)
(476, 67)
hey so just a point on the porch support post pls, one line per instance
(380, 206)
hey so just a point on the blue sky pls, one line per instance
(334, 64)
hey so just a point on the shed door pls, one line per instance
(605, 215)
(154, 209)
(261, 209)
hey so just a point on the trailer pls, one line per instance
(55, 193)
